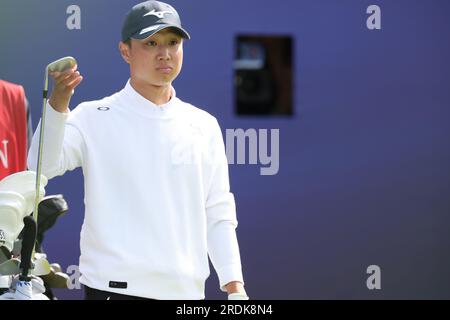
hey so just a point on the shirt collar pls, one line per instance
(134, 100)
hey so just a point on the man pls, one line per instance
(15, 128)
(156, 175)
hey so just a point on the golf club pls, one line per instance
(60, 65)
(29, 238)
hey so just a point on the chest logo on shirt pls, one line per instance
(103, 108)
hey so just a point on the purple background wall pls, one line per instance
(364, 163)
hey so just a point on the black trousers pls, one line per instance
(94, 294)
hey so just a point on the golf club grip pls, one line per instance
(28, 240)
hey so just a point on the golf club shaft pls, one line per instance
(39, 157)
(57, 66)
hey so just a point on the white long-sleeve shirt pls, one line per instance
(157, 194)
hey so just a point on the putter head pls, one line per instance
(62, 64)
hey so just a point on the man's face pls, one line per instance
(156, 60)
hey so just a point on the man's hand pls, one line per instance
(63, 88)
(236, 291)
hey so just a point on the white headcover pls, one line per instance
(17, 198)
(12, 210)
(24, 183)
(26, 290)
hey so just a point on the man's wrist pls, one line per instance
(236, 291)
(58, 106)
(235, 287)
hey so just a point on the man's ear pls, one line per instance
(124, 51)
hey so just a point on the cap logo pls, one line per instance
(149, 29)
(158, 14)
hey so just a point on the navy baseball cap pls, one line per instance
(149, 17)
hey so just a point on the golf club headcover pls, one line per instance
(50, 209)
(238, 296)
(5, 254)
(25, 290)
(5, 282)
(12, 209)
(24, 183)
(28, 241)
